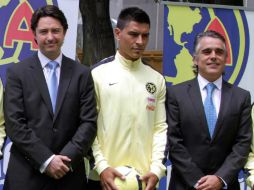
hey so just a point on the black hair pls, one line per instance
(132, 14)
(48, 11)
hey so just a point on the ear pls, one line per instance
(194, 59)
(35, 37)
(64, 32)
(117, 33)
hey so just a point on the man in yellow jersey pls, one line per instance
(131, 108)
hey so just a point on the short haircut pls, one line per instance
(132, 14)
(48, 11)
(208, 33)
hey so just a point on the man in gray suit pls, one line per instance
(50, 112)
(209, 131)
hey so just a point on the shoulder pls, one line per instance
(235, 89)
(103, 67)
(24, 64)
(151, 70)
(183, 85)
(78, 67)
(103, 61)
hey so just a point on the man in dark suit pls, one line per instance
(209, 133)
(50, 112)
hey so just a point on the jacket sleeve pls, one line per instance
(159, 134)
(100, 161)
(182, 162)
(23, 137)
(83, 138)
(235, 161)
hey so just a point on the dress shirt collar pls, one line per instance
(44, 60)
(128, 64)
(203, 82)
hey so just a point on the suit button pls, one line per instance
(55, 129)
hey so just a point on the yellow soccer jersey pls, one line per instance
(131, 117)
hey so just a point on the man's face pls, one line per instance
(49, 35)
(132, 39)
(210, 58)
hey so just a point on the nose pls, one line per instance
(213, 55)
(49, 36)
(140, 40)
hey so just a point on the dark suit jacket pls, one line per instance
(191, 150)
(37, 133)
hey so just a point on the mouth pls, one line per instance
(213, 63)
(50, 45)
(138, 49)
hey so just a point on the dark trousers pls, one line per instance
(94, 185)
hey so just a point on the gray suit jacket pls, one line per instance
(37, 133)
(191, 150)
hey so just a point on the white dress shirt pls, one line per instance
(216, 93)
(46, 71)
(216, 98)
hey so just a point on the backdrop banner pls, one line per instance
(182, 23)
(17, 40)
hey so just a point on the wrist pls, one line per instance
(221, 181)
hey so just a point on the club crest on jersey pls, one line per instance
(150, 87)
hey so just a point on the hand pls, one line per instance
(209, 182)
(150, 180)
(57, 167)
(107, 178)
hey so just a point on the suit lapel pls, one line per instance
(196, 99)
(38, 76)
(65, 78)
(226, 94)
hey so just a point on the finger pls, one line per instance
(65, 169)
(107, 186)
(202, 186)
(65, 158)
(112, 185)
(60, 173)
(57, 176)
(119, 175)
(148, 187)
(202, 180)
(144, 178)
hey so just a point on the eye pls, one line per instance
(220, 51)
(134, 34)
(145, 35)
(56, 30)
(206, 51)
(43, 32)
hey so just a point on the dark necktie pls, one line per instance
(210, 110)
